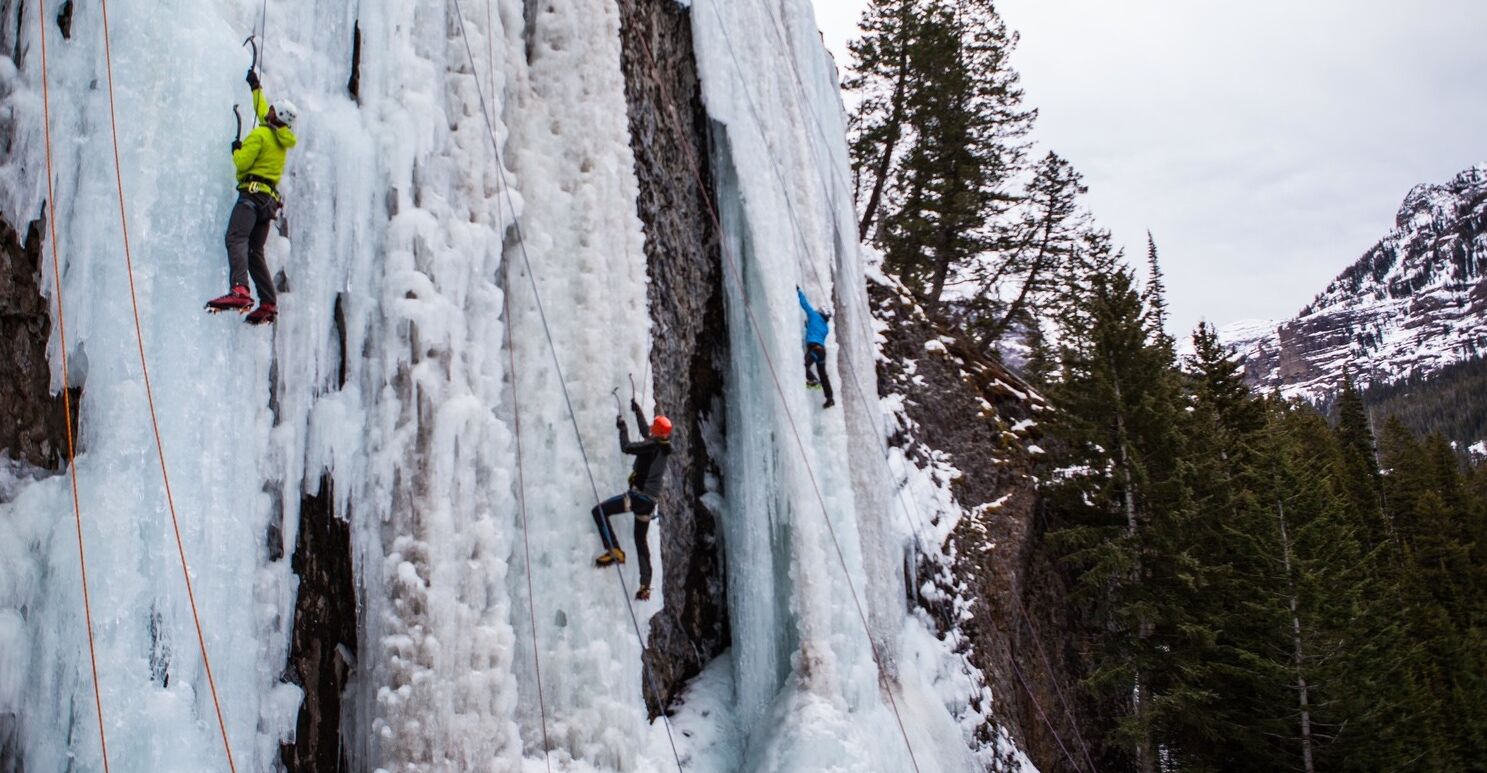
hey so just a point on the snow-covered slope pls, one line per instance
(1415, 302)
(451, 326)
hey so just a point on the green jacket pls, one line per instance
(263, 150)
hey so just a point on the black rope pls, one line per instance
(521, 488)
(732, 266)
(552, 346)
(916, 524)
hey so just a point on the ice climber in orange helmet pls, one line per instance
(651, 453)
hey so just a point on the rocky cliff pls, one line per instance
(690, 333)
(1413, 304)
(980, 574)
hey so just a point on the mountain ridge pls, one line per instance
(1414, 303)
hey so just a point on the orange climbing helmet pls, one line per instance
(661, 428)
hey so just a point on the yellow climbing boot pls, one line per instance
(611, 556)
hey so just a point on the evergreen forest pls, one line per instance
(1258, 585)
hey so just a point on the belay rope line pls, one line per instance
(77, 510)
(552, 347)
(776, 27)
(732, 266)
(521, 484)
(521, 500)
(150, 395)
(516, 422)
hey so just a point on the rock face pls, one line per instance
(989, 587)
(32, 418)
(33, 425)
(323, 648)
(689, 330)
(1413, 304)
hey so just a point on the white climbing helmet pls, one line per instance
(286, 112)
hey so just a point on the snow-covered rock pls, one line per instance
(1414, 303)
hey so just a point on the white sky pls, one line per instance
(1265, 144)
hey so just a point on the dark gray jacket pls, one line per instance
(650, 458)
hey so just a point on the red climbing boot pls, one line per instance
(239, 300)
(265, 314)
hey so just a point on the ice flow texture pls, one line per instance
(396, 213)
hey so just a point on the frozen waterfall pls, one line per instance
(404, 260)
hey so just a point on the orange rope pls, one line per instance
(77, 510)
(150, 394)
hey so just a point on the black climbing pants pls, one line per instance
(247, 231)
(815, 354)
(643, 508)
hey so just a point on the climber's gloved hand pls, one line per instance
(252, 79)
(619, 421)
(634, 406)
(236, 145)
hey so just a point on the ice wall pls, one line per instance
(397, 223)
(426, 314)
(814, 536)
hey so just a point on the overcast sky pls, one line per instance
(1265, 144)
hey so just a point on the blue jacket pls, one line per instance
(816, 327)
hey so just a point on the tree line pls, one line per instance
(1255, 586)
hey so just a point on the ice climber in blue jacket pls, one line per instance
(817, 326)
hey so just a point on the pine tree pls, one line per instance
(880, 77)
(1155, 295)
(1124, 510)
(940, 132)
(1359, 475)
(1042, 240)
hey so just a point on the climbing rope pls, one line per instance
(1039, 707)
(521, 500)
(799, 82)
(732, 266)
(77, 510)
(150, 394)
(521, 485)
(1048, 666)
(552, 347)
(776, 29)
(779, 37)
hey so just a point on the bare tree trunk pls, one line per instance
(1027, 285)
(885, 162)
(1145, 756)
(1302, 692)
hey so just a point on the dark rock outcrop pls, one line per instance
(686, 301)
(995, 586)
(323, 647)
(33, 426)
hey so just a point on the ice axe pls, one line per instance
(253, 42)
(618, 409)
(631, 376)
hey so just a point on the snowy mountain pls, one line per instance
(497, 214)
(1414, 303)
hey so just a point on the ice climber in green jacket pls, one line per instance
(259, 159)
